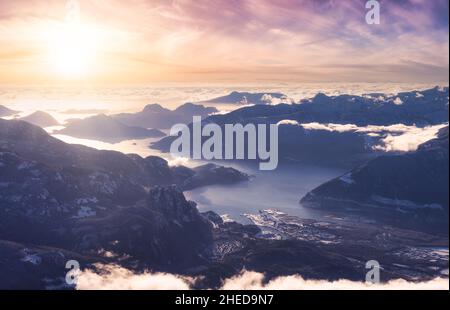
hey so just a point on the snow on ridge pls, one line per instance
(405, 203)
(347, 178)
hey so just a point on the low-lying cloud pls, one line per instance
(112, 277)
(408, 140)
(268, 99)
(255, 281)
(393, 138)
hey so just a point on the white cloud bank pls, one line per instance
(255, 281)
(275, 101)
(111, 277)
(407, 141)
(394, 138)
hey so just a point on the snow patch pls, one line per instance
(25, 165)
(31, 258)
(85, 212)
(405, 203)
(347, 178)
(226, 218)
(85, 201)
(398, 101)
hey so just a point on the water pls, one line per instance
(280, 189)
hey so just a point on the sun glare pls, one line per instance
(73, 51)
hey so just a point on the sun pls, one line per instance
(72, 51)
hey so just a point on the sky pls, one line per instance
(221, 41)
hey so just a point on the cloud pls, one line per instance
(112, 277)
(393, 138)
(255, 281)
(398, 101)
(268, 99)
(288, 122)
(179, 161)
(408, 140)
(335, 127)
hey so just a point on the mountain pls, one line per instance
(84, 111)
(108, 129)
(420, 108)
(40, 119)
(111, 175)
(409, 190)
(61, 202)
(311, 145)
(4, 111)
(342, 130)
(155, 116)
(161, 231)
(212, 174)
(76, 202)
(320, 146)
(195, 110)
(249, 98)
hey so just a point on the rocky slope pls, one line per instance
(43, 176)
(162, 231)
(278, 244)
(61, 202)
(408, 190)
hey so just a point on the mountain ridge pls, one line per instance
(408, 190)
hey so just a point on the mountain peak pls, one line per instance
(41, 119)
(154, 108)
(190, 107)
(4, 111)
(321, 98)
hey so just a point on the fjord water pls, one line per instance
(280, 189)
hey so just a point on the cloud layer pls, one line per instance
(110, 277)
